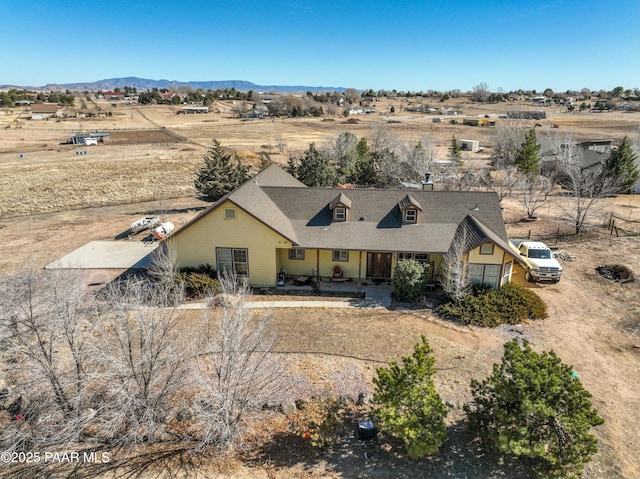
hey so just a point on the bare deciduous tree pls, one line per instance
(533, 192)
(45, 325)
(583, 190)
(237, 370)
(381, 138)
(117, 366)
(143, 358)
(455, 283)
(503, 182)
(509, 137)
(351, 95)
(480, 92)
(343, 150)
(419, 158)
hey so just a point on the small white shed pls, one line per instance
(469, 145)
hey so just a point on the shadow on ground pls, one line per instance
(460, 457)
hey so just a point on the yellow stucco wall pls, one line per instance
(355, 268)
(499, 256)
(197, 244)
(309, 265)
(496, 258)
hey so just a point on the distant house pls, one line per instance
(87, 138)
(191, 110)
(593, 155)
(362, 110)
(260, 111)
(274, 223)
(113, 95)
(42, 111)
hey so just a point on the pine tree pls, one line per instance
(409, 406)
(220, 175)
(364, 170)
(455, 154)
(314, 169)
(621, 166)
(527, 157)
(535, 406)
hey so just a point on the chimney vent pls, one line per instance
(427, 184)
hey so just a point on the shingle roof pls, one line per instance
(409, 201)
(473, 233)
(251, 197)
(341, 199)
(303, 215)
(376, 219)
(44, 107)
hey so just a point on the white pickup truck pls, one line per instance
(541, 265)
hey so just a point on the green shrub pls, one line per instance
(409, 281)
(509, 304)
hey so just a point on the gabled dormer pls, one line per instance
(340, 207)
(410, 209)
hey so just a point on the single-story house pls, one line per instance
(42, 111)
(592, 155)
(113, 95)
(273, 224)
(87, 138)
(190, 110)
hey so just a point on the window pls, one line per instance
(229, 213)
(484, 274)
(296, 253)
(340, 255)
(233, 260)
(506, 276)
(410, 216)
(419, 257)
(486, 248)
(340, 214)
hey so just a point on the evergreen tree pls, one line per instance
(455, 154)
(621, 166)
(408, 405)
(364, 170)
(534, 406)
(314, 169)
(292, 167)
(220, 175)
(527, 157)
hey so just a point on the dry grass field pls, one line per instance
(153, 152)
(53, 201)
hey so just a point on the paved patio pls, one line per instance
(107, 255)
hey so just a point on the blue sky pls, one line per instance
(402, 45)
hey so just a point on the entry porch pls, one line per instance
(345, 266)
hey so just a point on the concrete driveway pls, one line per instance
(107, 255)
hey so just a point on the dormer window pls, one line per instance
(410, 216)
(340, 206)
(409, 208)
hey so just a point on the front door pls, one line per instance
(378, 265)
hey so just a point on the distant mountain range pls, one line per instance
(145, 84)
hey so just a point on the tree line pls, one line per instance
(517, 168)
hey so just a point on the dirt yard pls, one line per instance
(53, 201)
